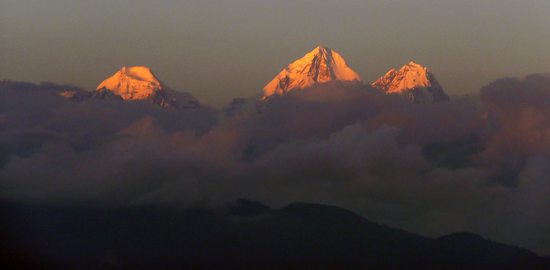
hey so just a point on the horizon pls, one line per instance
(220, 106)
(217, 50)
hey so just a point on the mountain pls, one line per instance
(413, 81)
(138, 83)
(318, 66)
(241, 235)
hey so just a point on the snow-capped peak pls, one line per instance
(318, 66)
(138, 83)
(414, 81)
(132, 83)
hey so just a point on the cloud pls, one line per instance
(519, 124)
(475, 163)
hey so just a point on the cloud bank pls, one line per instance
(478, 163)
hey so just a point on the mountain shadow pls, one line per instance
(241, 235)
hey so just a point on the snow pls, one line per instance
(132, 83)
(414, 81)
(318, 66)
(409, 77)
(139, 83)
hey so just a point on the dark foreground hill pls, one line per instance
(245, 235)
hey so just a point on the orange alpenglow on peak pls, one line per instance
(132, 83)
(414, 81)
(318, 66)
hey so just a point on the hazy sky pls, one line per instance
(219, 49)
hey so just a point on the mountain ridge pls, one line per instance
(320, 65)
(138, 83)
(245, 234)
(413, 81)
(132, 83)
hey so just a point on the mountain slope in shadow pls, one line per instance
(243, 235)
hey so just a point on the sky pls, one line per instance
(220, 49)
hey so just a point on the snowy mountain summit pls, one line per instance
(138, 83)
(413, 81)
(132, 83)
(318, 66)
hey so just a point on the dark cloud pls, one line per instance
(518, 124)
(474, 163)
